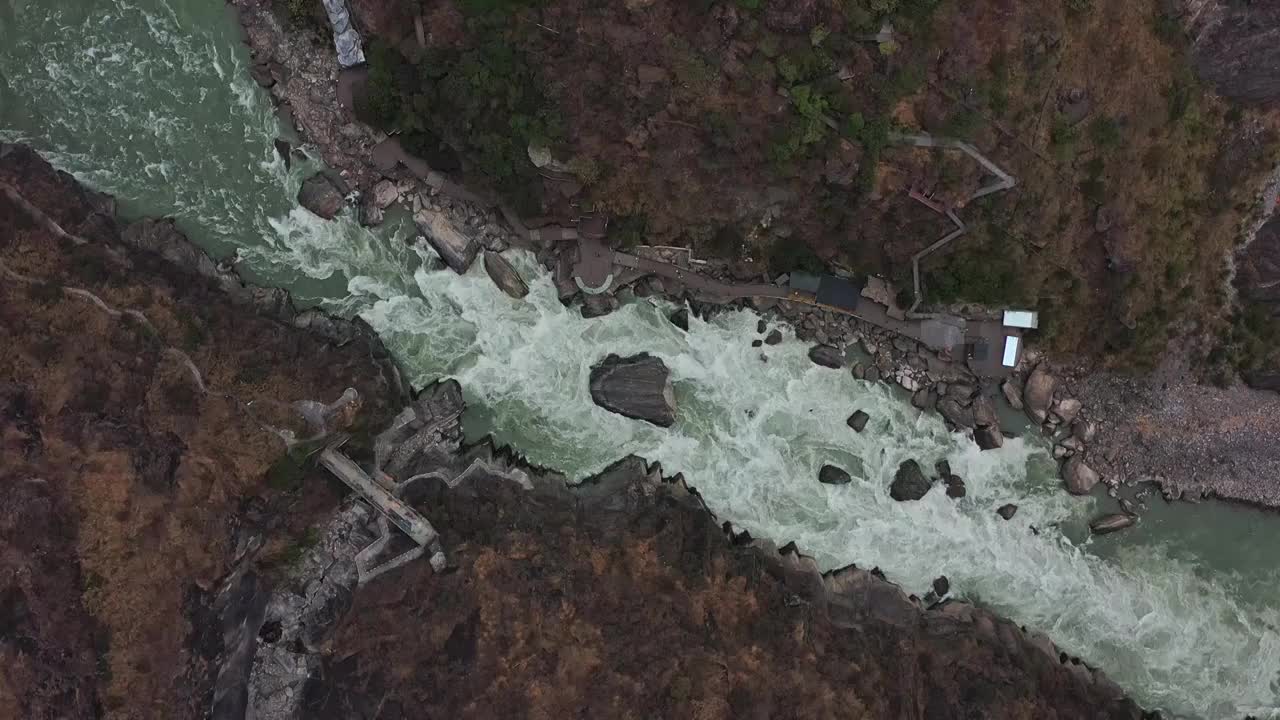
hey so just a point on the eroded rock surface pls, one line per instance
(638, 387)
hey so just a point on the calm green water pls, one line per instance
(151, 101)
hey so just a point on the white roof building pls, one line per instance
(1022, 319)
(1011, 343)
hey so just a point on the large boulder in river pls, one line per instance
(858, 420)
(1037, 394)
(457, 250)
(1012, 393)
(638, 387)
(1079, 478)
(909, 483)
(680, 319)
(826, 356)
(832, 475)
(955, 413)
(988, 437)
(1111, 523)
(319, 195)
(773, 338)
(504, 275)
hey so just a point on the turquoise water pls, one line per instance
(151, 101)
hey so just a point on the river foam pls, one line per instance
(186, 136)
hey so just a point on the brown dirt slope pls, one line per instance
(629, 602)
(121, 480)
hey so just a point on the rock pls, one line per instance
(988, 437)
(637, 387)
(319, 195)
(858, 420)
(859, 372)
(955, 487)
(773, 338)
(1233, 47)
(761, 326)
(924, 398)
(1037, 395)
(371, 215)
(909, 483)
(941, 585)
(961, 392)
(1111, 523)
(872, 374)
(1012, 393)
(456, 249)
(385, 194)
(984, 412)
(284, 150)
(594, 306)
(1079, 478)
(680, 319)
(1067, 409)
(757, 343)
(261, 74)
(832, 475)
(1073, 444)
(504, 275)
(826, 356)
(908, 383)
(1007, 511)
(956, 413)
(1084, 430)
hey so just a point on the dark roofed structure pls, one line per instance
(842, 293)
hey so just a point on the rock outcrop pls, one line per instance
(1258, 281)
(319, 195)
(638, 387)
(909, 483)
(1236, 48)
(504, 275)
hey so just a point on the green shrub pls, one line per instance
(794, 256)
(1105, 132)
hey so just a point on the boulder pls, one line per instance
(284, 150)
(826, 356)
(594, 306)
(984, 412)
(941, 585)
(832, 475)
(385, 193)
(859, 372)
(456, 249)
(1066, 410)
(1007, 511)
(955, 487)
(680, 319)
(1111, 523)
(957, 414)
(773, 338)
(961, 392)
(1012, 393)
(858, 420)
(319, 195)
(909, 483)
(1037, 395)
(637, 387)
(1084, 430)
(988, 437)
(1079, 477)
(761, 326)
(924, 398)
(504, 275)
(757, 343)
(872, 374)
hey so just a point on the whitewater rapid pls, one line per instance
(151, 101)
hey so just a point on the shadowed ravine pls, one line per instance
(155, 105)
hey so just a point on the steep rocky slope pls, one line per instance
(1237, 48)
(125, 474)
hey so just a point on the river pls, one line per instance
(151, 101)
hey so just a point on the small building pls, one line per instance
(804, 282)
(1025, 319)
(839, 292)
(1011, 345)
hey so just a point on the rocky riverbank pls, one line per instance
(302, 75)
(160, 413)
